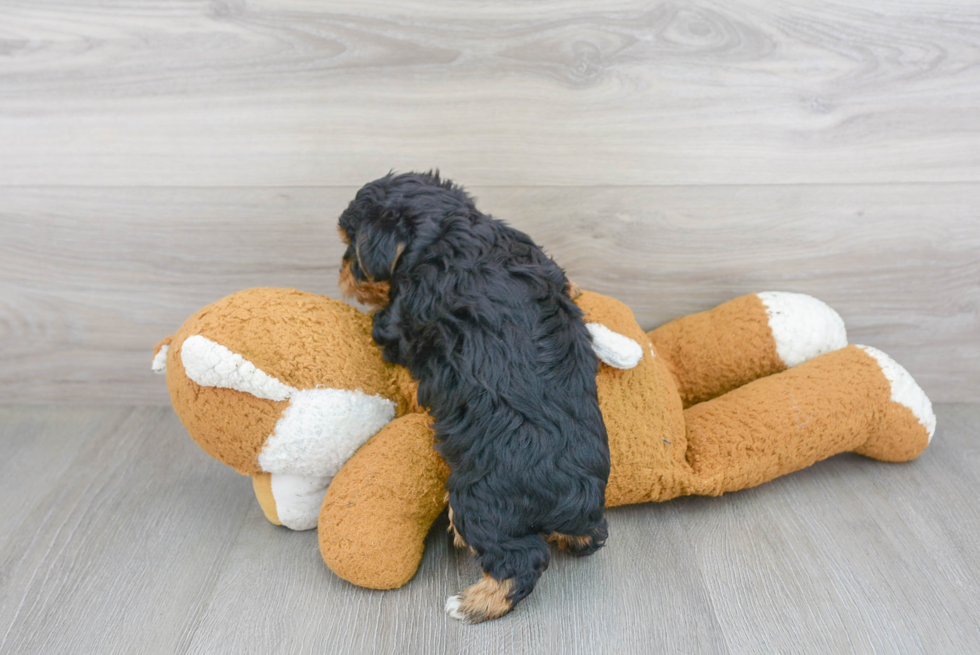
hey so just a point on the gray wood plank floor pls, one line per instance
(117, 535)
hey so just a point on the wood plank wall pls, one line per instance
(156, 155)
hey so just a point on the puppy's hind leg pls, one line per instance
(511, 568)
(458, 540)
(582, 545)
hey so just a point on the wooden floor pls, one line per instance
(118, 535)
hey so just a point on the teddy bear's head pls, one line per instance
(281, 381)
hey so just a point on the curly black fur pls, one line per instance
(480, 316)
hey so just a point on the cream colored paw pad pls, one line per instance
(905, 390)
(802, 326)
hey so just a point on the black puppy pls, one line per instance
(483, 320)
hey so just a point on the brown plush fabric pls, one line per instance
(713, 352)
(303, 339)
(262, 486)
(163, 342)
(378, 509)
(230, 426)
(643, 414)
(836, 403)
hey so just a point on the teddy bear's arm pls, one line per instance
(747, 338)
(380, 506)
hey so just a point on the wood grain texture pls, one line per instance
(93, 278)
(128, 539)
(302, 92)
(105, 556)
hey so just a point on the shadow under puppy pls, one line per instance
(483, 320)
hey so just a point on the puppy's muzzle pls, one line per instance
(372, 294)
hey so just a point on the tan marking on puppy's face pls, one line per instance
(399, 249)
(343, 236)
(360, 262)
(573, 290)
(488, 599)
(372, 294)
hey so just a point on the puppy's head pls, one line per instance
(387, 222)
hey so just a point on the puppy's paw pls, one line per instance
(582, 545)
(453, 604)
(579, 546)
(488, 599)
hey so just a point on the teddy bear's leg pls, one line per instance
(713, 352)
(380, 506)
(854, 399)
(290, 500)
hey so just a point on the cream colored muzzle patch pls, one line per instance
(317, 433)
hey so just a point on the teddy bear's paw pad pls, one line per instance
(612, 348)
(904, 389)
(298, 499)
(802, 326)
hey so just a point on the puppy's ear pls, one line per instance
(377, 250)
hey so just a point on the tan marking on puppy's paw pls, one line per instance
(488, 599)
(568, 542)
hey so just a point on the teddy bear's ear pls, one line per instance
(159, 364)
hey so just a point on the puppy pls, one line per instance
(484, 321)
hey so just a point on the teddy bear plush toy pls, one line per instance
(289, 388)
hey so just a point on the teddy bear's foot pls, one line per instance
(906, 424)
(851, 400)
(803, 327)
(751, 337)
(290, 500)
